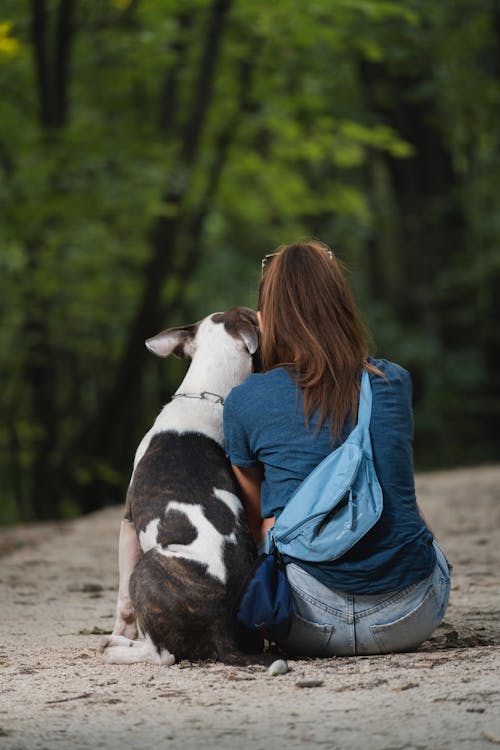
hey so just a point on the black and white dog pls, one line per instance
(184, 543)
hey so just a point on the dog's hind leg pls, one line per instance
(136, 651)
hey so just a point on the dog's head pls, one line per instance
(226, 341)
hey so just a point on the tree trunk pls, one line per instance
(40, 365)
(107, 438)
(52, 74)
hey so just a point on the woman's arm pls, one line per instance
(250, 480)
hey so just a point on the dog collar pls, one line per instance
(214, 398)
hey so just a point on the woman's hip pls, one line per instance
(330, 622)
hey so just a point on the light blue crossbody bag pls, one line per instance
(338, 503)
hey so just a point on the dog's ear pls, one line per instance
(176, 341)
(248, 329)
(241, 322)
(249, 334)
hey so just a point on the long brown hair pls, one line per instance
(312, 326)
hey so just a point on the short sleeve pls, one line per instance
(237, 432)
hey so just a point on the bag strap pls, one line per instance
(365, 401)
(364, 415)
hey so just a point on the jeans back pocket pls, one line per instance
(307, 638)
(411, 629)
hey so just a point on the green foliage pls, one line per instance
(369, 124)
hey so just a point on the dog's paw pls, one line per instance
(104, 642)
(125, 623)
(126, 626)
(110, 641)
(126, 629)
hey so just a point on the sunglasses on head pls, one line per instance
(268, 258)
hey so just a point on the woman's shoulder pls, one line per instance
(392, 392)
(391, 372)
(264, 381)
(259, 386)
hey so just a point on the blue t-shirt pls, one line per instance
(264, 422)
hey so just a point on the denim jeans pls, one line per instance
(329, 622)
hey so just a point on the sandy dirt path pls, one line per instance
(57, 589)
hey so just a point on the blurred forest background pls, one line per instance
(151, 151)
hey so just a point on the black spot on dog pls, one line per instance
(185, 468)
(175, 528)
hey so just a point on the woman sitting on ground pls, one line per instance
(390, 591)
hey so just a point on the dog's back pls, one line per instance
(184, 504)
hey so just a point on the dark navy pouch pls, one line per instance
(265, 604)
